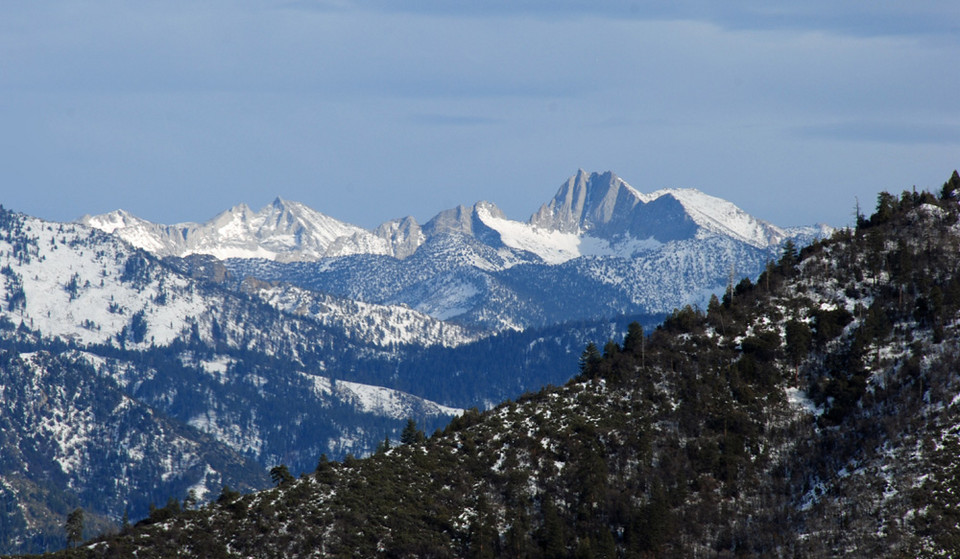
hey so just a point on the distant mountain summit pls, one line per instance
(588, 202)
(283, 231)
(603, 205)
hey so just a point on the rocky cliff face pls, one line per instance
(604, 206)
(588, 202)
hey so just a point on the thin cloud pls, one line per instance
(453, 120)
(885, 132)
(860, 17)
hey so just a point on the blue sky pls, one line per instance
(369, 111)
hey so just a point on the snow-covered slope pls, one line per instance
(378, 400)
(383, 325)
(556, 246)
(74, 438)
(84, 286)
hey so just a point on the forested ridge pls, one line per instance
(811, 412)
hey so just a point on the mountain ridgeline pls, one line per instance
(812, 412)
(598, 249)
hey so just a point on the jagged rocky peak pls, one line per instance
(241, 213)
(463, 219)
(603, 205)
(284, 213)
(296, 218)
(587, 201)
(403, 235)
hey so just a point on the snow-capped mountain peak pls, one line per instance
(719, 216)
(110, 222)
(282, 230)
(586, 202)
(602, 205)
(591, 214)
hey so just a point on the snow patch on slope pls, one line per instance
(556, 247)
(378, 400)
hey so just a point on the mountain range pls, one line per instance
(811, 412)
(592, 214)
(599, 248)
(143, 362)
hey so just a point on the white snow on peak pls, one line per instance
(722, 217)
(282, 230)
(604, 205)
(587, 208)
(556, 247)
(553, 246)
(110, 222)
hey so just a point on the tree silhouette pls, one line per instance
(74, 528)
(411, 434)
(281, 474)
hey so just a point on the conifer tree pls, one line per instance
(788, 257)
(951, 186)
(324, 472)
(74, 528)
(633, 342)
(589, 359)
(280, 474)
(411, 434)
(227, 495)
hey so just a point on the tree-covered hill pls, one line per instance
(813, 412)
